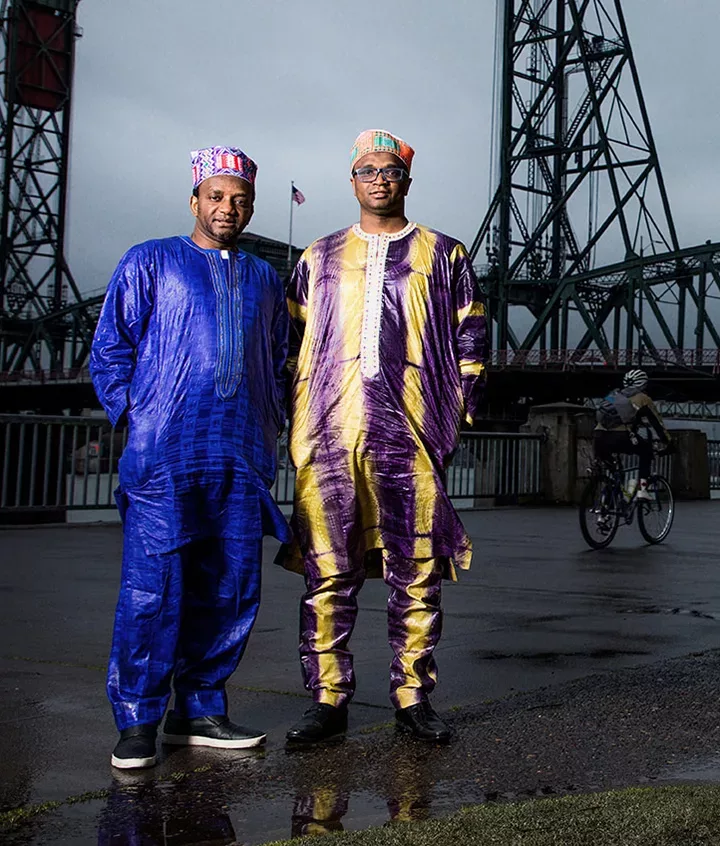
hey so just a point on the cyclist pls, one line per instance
(619, 417)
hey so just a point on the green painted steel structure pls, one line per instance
(43, 321)
(578, 182)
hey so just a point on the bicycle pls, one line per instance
(605, 502)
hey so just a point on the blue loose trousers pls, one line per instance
(185, 614)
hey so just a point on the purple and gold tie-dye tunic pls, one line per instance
(391, 360)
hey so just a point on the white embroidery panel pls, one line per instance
(378, 246)
(372, 314)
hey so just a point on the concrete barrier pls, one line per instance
(568, 453)
(567, 448)
(690, 465)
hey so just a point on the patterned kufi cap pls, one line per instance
(221, 161)
(379, 141)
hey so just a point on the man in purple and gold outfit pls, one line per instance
(190, 349)
(389, 361)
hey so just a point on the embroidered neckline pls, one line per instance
(378, 246)
(211, 250)
(386, 236)
(230, 353)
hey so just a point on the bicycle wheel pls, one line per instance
(599, 512)
(655, 516)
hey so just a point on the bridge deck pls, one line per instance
(534, 376)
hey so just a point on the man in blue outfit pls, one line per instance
(190, 350)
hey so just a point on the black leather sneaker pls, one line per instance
(136, 748)
(216, 731)
(320, 722)
(422, 722)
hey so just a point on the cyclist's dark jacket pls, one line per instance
(645, 413)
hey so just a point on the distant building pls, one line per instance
(274, 252)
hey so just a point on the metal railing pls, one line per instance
(70, 464)
(46, 377)
(489, 464)
(573, 359)
(57, 463)
(534, 359)
(661, 465)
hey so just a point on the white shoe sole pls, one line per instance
(198, 740)
(133, 763)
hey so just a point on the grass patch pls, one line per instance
(90, 796)
(17, 816)
(665, 816)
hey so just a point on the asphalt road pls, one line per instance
(562, 669)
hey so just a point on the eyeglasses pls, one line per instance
(389, 174)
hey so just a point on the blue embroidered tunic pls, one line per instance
(190, 349)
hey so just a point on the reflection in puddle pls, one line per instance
(138, 817)
(320, 813)
(334, 793)
(326, 811)
(147, 816)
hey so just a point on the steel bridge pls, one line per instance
(578, 185)
(578, 180)
(706, 411)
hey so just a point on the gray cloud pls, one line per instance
(294, 81)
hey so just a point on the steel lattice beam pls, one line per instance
(578, 180)
(43, 321)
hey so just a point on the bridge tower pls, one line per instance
(578, 185)
(43, 325)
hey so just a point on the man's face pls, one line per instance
(222, 209)
(381, 197)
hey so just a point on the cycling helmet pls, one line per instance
(635, 379)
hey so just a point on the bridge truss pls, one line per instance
(579, 183)
(44, 323)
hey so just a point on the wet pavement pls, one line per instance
(562, 669)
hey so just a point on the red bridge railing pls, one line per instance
(571, 359)
(45, 377)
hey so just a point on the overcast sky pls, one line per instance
(293, 82)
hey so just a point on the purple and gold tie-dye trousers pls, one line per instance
(327, 617)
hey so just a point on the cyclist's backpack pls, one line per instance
(616, 410)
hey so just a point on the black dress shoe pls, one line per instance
(136, 748)
(319, 722)
(422, 722)
(217, 732)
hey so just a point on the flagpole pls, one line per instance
(289, 255)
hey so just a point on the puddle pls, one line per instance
(197, 796)
(162, 813)
(705, 772)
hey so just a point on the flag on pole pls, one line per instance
(296, 196)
